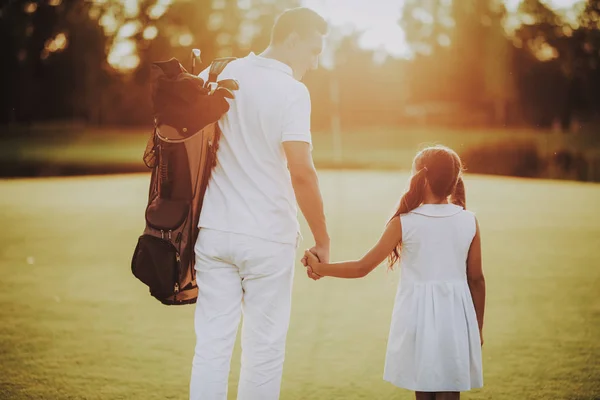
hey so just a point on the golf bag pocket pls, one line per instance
(166, 215)
(156, 263)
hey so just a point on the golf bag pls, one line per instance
(181, 153)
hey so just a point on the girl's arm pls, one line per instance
(391, 237)
(475, 277)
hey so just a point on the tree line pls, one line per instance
(90, 61)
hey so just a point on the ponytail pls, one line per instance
(409, 201)
(458, 195)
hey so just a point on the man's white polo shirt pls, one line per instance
(250, 191)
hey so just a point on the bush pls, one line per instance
(570, 165)
(512, 159)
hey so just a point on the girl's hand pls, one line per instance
(481, 337)
(309, 270)
(312, 262)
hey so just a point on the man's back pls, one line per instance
(249, 228)
(250, 190)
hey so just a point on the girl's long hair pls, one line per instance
(441, 168)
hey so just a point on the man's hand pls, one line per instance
(309, 271)
(322, 253)
(309, 261)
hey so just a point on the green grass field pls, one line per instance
(374, 147)
(76, 324)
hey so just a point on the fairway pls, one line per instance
(76, 324)
(120, 150)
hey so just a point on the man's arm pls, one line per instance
(297, 144)
(306, 187)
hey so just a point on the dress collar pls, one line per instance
(438, 210)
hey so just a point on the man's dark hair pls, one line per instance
(300, 20)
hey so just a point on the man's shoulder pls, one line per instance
(298, 91)
(283, 89)
(299, 87)
(231, 65)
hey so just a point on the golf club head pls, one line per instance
(195, 58)
(230, 84)
(224, 92)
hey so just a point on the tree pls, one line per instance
(558, 70)
(499, 85)
(47, 52)
(461, 52)
(91, 60)
(589, 21)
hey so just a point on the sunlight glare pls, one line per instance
(129, 29)
(123, 55)
(131, 8)
(186, 39)
(244, 4)
(30, 7)
(444, 40)
(150, 32)
(157, 10)
(545, 52)
(61, 41)
(377, 20)
(58, 43)
(130, 62)
(513, 5)
(94, 13)
(109, 23)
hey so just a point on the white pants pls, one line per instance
(238, 273)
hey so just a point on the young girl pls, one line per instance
(434, 345)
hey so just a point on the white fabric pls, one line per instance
(238, 273)
(434, 343)
(250, 191)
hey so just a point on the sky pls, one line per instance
(378, 20)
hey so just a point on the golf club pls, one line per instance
(195, 56)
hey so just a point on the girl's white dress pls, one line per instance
(434, 343)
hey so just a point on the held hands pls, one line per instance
(311, 261)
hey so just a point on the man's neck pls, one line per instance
(274, 53)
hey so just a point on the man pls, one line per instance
(249, 230)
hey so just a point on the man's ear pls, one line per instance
(292, 40)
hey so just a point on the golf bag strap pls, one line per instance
(217, 66)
